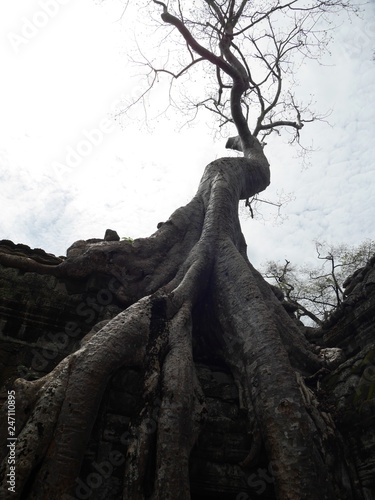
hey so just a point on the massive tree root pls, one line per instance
(198, 255)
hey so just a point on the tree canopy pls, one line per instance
(248, 55)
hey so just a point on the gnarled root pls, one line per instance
(200, 248)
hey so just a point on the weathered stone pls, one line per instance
(37, 254)
(351, 386)
(333, 356)
(111, 235)
(43, 318)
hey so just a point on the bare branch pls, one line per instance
(180, 73)
(229, 64)
(250, 49)
(192, 42)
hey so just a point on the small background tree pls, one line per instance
(317, 291)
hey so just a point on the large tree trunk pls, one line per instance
(197, 257)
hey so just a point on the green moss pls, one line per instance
(370, 357)
(368, 360)
(27, 373)
(365, 393)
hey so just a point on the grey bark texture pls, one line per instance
(197, 256)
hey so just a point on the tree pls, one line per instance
(316, 291)
(195, 270)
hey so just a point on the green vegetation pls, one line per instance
(127, 238)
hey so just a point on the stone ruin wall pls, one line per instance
(43, 319)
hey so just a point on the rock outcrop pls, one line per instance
(351, 387)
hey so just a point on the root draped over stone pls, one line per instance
(198, 255)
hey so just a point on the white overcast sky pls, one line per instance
(64, 72)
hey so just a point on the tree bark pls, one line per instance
(198, 256)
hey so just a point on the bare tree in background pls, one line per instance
(316, 291)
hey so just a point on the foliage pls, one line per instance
(317, 291)
(127, 238)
